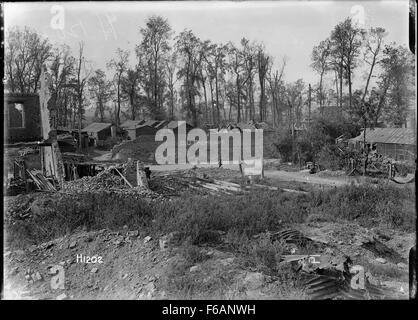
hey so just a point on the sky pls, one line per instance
(287, 28)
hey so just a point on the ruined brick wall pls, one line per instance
(31, 131)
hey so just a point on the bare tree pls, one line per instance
(321, 64)
(154, 49)
(171, 67)
(373, 43)
(79, 83)
(276, 88)
(61, 71)
(25, 54)
(263, 67)
(101, 90)
(119, 65)
(130, 88)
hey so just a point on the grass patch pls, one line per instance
(247, 214)
(368, 204)
(200, 219)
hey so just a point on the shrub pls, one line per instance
(250, 214)
(369, 204)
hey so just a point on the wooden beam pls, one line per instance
(126, 180)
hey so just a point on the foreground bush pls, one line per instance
(200, 219)
(60, 214)
(369, 204)
(250, 214)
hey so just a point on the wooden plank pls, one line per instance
(126, 180)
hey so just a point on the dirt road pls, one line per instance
(298, 176)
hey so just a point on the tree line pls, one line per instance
(213, 83)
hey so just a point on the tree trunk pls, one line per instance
(341, 87)
(218, 113)
(349, 87)
(238, 99)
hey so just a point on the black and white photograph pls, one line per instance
(209, 150)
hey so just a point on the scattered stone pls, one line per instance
(133, 234)
(253, 280)
(62, 263)
(27, 277)
(195, 269)
(124, 276)
(381, 260)
(19, 252)
(402, 265)
(36, 277)
(118, 242)
(147, 239)
(6, 254)
(227, 261)
(62, 297)
(152, 278)
(94, 270)
(73, 244)
(14, 271)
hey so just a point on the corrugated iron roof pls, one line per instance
(174, 124)
(96, 127)
(160, 124)
(388, 135)
(131, 123)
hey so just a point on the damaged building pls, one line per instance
(396, 143)
(21, 118)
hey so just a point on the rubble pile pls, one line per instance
(329, 273)
(109, 181)
(18, 208)
(105, 180)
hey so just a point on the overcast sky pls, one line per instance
(287, 28)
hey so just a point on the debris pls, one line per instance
(195, 269)
(41, 182)
(36, 276)
(253, 280)
(402, 265)
(381, 260)
(94, 270)
(62, 297)
(147, 239)
(134, 233)
(226, 261)
(382, 250)
(73, 244)
(14, 271)
(124, 179)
